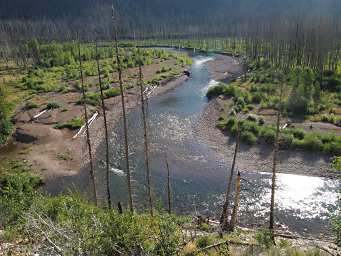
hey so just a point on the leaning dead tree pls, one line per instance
(105, 128)
(224, 217)
(274, 167)
(88, 140)
(125, 128)
(145, 136)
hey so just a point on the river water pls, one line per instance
(198, 173)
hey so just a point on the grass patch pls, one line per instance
(73, 124)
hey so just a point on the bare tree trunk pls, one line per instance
(274, 167)
(126, 149)
(168, 187)
(92, 173)
(146, 143)
(105, 129)
(224, 219)
(236, 204)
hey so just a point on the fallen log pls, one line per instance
(40, 114)
(226, 242)
(90, 121)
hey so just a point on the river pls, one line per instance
(198, 173)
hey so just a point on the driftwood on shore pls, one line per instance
(41, 113)
(90, 121)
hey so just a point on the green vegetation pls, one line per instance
(52, 105)
(57, 63)
(215, 91)
(263, 237)
(332, 119)
(305, 96)
(112, 92)
(252, 132)
(336, 163)
(5, 115)
(94, 98)
(73, 124)
(84, 228)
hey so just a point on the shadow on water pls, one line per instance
(199, 173)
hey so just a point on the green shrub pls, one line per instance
(331, 118)
(73, 124)
(336, 163)
(250, 126)
(264, 238)
(268, 134)
(204, 241)
(298, 133)
(91, 98)
(215, 91)
(309, 142)
(52, 105)
(17, 191)
(336, 224)
(112, 92)
(5, 115)
(248, 137)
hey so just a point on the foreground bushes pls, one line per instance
(76, 227)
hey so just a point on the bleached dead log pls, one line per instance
(41, 113)
(149, 90)
(90, 121)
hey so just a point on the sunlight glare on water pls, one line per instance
(307, 196)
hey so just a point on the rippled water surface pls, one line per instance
(198, 172)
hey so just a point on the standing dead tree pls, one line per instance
(224, 217)
(233, 221)
(105, 128)
(274, 167)
(88, 140)
(119, 69)
(168, 187)
(145, 135)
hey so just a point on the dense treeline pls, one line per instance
(160, 18)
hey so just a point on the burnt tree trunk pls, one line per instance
(105, 129)
(233, 221)
(224, 217)
(168, 187)
(146, 143)
(126, 147)
(88, 140)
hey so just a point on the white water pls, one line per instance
(212, 83)
(200, 61)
